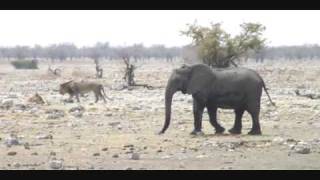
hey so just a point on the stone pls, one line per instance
(26, 146)
(6, 104)
(135, 156)
(114, 123)
(54, 114)
(136, 108)
(21, 107)
(108, 114)
(77, 108)
(100, 124)
(104, 149)
(12, 153)
(77, 114)
(33, 110)
(278, 140)
(12, 96)
(128, 146)
(44, 136)
(115, 156)
(96, 154)
(302, 148)
(16, 165)
(12, 140)
(201, 156)
(56, 164)
(68, 100)
(166, 157)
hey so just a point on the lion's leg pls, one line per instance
(77, 96)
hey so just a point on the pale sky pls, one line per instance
(85, 28)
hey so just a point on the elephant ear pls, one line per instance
(200, 77)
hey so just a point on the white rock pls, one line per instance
(21, 107)
(54, 114)
(56, 164)
(166, 157)
(77, 114)
(44, 136)
(278, 140)
(6, 104)
(201, 156)
(13, 96)
(77, 109)
(12, 140)
(302, 148)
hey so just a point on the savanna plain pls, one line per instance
(122, 133)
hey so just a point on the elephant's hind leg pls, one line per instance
(213, 119)
(254, 112)
(236, 129)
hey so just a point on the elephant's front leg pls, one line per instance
(212, 110)
(197, 113)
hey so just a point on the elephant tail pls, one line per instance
(265, 89)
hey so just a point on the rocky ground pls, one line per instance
(122, 133)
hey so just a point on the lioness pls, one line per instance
(76, 88)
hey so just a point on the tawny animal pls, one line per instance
(74, 88)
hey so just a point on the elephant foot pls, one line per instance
(255, 132)
(235, 131)
(219, 130)
(197, 133)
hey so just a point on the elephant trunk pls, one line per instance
(168, 101)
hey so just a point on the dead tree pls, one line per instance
(307, 95)
(129, 74)
(99, 70)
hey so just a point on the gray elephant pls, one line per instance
(232, 88)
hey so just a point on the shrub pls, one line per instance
(25, 64)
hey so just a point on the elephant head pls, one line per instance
(188, 80)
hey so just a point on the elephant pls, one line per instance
(227, 88)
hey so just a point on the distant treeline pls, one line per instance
(303, 52)
(68, 51)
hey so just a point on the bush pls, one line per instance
(25, 64)
(217, 48)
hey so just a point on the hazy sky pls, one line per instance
(148, 27)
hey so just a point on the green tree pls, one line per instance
(217, 48)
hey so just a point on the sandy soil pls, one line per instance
(122, 133)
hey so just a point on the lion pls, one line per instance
(74, 88)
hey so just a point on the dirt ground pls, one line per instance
(122, 133)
